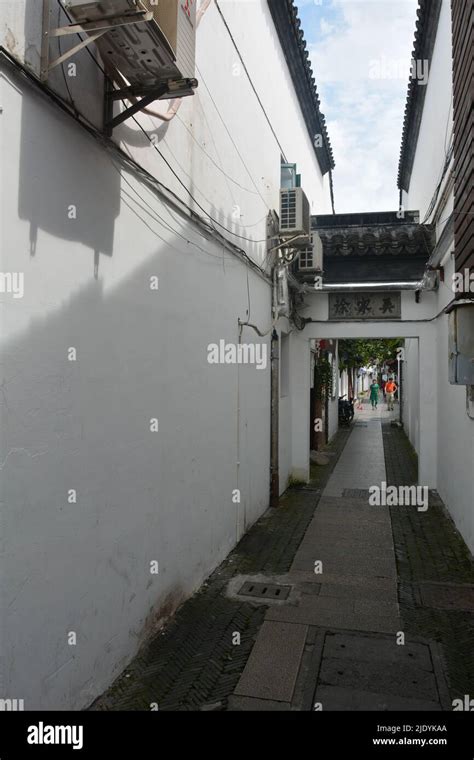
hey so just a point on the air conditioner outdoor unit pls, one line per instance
(310, 258)
(161, 48)
(177, 21)
(294, 214)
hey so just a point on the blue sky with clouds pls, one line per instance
(360, 53)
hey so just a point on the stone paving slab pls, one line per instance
(377, 650)
(237, 703)
(338, 698)
(362, 462)
(363, 536)
(359, 592)
(344, 579)
(366, 530)
(343, 564)
(328, 612)
(401, 680)
(273, 665)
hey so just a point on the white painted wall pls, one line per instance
(284, 438)
(415, 323)
(437, 120)
(141, 496)
(452, 442)
(411, 390)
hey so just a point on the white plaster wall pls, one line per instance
(437, 120)
(141, 496)
(411, 390)
(452, 445)
(220, 143)
(284, 436)
(416, 323)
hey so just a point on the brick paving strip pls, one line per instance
(192, 663)
(435, 571)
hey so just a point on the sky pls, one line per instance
(360, 52)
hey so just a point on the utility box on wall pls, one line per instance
(461, 343)
(177, 20)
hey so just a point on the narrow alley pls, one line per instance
(379, 612)
(236, 372)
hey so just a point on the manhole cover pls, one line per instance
(361, 424)
(356, 493)
(265, 590)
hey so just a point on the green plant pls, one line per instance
(323, 378)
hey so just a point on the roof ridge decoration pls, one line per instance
(428, 12)
(294, 46)
(383, 240)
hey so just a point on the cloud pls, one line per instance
(325, 26)
(358, 51)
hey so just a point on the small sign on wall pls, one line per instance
(350, 306)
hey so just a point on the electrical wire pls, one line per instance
(219, 168)
(214, 221)
(201, 79)
(113, 149)
(183, 185)
(249, 78)
(245, 226)
(62, 66)
(374, 321)
(156, 216)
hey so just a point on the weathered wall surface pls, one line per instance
(88, 237)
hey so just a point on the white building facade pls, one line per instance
(131, 465)
(427, 183)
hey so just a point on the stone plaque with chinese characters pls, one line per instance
(365, 306)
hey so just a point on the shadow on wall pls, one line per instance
(85, 425)
(58, 189)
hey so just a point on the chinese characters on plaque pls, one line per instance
(365, 306)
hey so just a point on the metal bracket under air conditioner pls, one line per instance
(148, 93)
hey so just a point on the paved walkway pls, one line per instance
(334, 616)
(345, 622)
(362, 462)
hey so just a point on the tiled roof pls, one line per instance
(372, 247)
(425, 34)
(293, 43)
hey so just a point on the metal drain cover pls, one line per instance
(265, 590)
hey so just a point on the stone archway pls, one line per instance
(420, 329)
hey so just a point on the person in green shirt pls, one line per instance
(374, 394)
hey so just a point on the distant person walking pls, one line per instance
(390, 389)
(374, 394)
